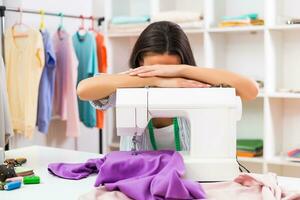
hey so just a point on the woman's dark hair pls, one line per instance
(162, 37)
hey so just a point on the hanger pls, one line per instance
(92, 27)
(20, 23)
(42, 23)
(81, 30)
(61, 23)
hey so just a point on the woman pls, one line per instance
(162, 57)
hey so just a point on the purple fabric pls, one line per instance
(46, 86)
(148, 175)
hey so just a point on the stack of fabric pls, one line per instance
(249, 147)
(187, 20)
(294, 155)
(242, 20)
(129, 24)
(121, 24)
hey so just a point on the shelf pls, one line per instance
(217, 30)
(112, 34)
(277, 160)
(288, 95)
(124, 34)
(252, 160)
(281, 160)
(285, 27)
(236, 29)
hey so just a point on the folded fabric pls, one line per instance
(147, 175)
(294, 153)
(241, 17)
(250, 186)
(133, 28)
(177, 16)
(191, 25)
(130, 19)
(242, 153)
(138, 27)
(249, 144)
(255, 22)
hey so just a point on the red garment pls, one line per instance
(102, 68)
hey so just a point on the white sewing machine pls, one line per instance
(212, 114)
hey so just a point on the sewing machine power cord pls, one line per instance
(242, 167)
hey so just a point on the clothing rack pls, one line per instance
(4, 9)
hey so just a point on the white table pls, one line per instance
(51, 187)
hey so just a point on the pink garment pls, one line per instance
(249, 186)
(244, 187)
(65, 97)
(101, 193)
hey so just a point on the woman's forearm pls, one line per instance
(104, 85)
(246, 88)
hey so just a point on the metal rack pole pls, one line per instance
(99, 19)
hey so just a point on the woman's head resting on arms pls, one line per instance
(162, 43)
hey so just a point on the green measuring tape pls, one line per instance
(176, 135)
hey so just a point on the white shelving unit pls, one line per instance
(270, 53)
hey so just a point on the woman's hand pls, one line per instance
(158, 70)
(179, 83)
(168, 76)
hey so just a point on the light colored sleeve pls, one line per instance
(105, 103)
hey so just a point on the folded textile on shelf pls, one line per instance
(241, 20)
(294, 155)
(127, 28)
(293, 21)
(241, 17)
(138, 28)
(242, 153)
(147, 175)
(177, 16)
(249, 147)
(191, 25)
(130, 19)
(247, 22)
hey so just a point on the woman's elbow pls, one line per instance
(251, 92)
(82, 91)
